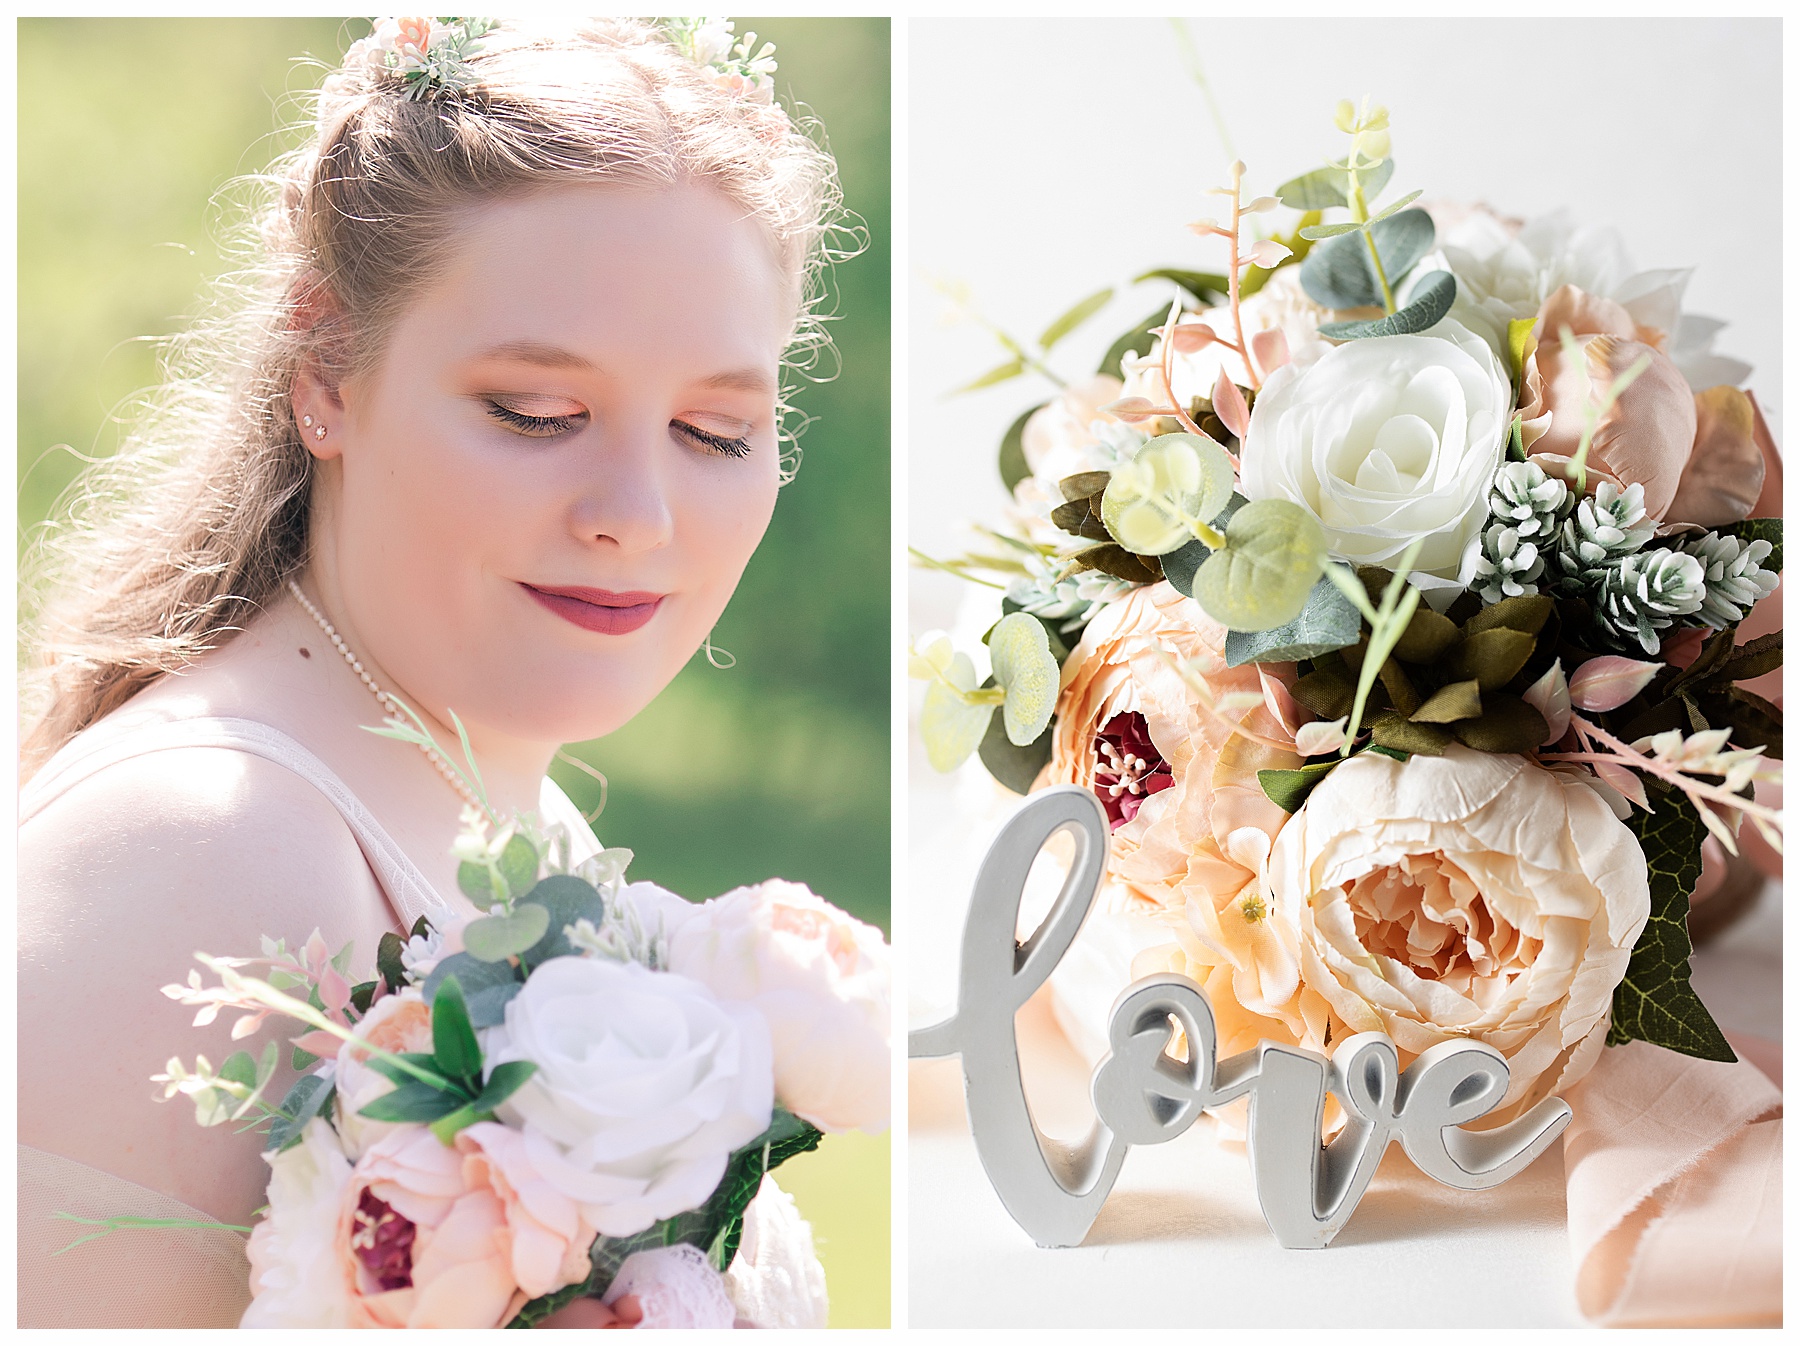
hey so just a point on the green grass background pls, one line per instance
(778, 766)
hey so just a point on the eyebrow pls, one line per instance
(749, 380)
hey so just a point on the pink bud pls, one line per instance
(1624, 780)
(1132, 409)
(318, 1042)
(1610, 681)
(1550, 696)
(1320, 737)
(1271, 350)
(1267, 254)
(1229, 405)
(1193, 336)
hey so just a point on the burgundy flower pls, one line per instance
(383, 1241)
(1128, 768)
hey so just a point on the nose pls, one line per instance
(623, 494)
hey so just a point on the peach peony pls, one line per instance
(1471, 895)
(1192, 827)
(395, 1023)
(431, 1235)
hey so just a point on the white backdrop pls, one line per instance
(1049, 158)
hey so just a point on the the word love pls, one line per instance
(1144, 1096)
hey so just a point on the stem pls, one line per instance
(1168, 357)
(950, 568)
(1359, 211)
(1626, 755)
(1233, 280)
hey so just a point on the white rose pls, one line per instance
(395, 1023)
(1472, 895)
(776, 1279)
(296, 1269)
(1385, 439)
(645, 1084)
(819, 977)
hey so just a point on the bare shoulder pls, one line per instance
(121, 880)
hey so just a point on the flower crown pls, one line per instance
(738, 68)
(429, 55)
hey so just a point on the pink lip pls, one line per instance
(602, 610)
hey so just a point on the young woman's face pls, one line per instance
(555, 476)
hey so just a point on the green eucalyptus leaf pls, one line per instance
(1180, 566)
(1205, 286)
(1149, 499)
(1337, 272)
(1431, 300)
(568, 899)
(477, 883)
(1318, 233)
(239, 1068)
(518, 865)
(1329, 621)
(486, 986)
(1015, 766)
(950, 727)
(493, 939)
(1654, 1002)
(1137, 339)
(1274, 553)
(1288, 789)
(1394, 207)
(1013, 467)
(1024, 667)
(1074, 317)
(1324, 188)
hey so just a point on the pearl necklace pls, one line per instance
(389, 703)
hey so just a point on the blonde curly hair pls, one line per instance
(175, 543)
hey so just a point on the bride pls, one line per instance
(497, 439)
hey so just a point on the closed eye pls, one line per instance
(538, 427)
(731, 448)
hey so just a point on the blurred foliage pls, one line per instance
(779, 765)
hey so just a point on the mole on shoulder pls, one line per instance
(305, 653)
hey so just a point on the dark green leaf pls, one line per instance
(452, 1036)
(300, 1060)
(306, 1100)
(568, 900)
(1181, 565)
(1507, 723)
(1755, 723)
(1288, 789)
(1769, 530)
(362, 995)
(1013, 467)
(1455, 701)
(1137, 339)
(1206, 286)
(518, 865)
(1114, 560)
(392, 1070)
(1075, 316)
(1430, 302)
(1427, 636)
(1655, 1003)
(1081, 485)
(1081, 518)
(1526, 612)
(1491, 657)
(486, 986)
(1326, 692)
(1013, 766)
(1337, 273)
(1394, 730)
(502, 1083)
(411, 1102)
(388, 963)
(1329, 621)
(1753, 659)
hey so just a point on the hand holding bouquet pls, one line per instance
(578, 1093)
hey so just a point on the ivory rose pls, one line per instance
(296, 1276)
(1383, 440)
(1472, 895)
(1191, 826)
(435, 1235)
(646, 1083)
(819, 977)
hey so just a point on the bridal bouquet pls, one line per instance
(1400, 589)
(576, 1094)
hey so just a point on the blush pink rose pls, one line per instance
(432, 1235)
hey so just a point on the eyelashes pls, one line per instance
(544, 427)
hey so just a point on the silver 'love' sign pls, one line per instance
(1144, 1096)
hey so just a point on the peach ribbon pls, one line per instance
(1674, 1191)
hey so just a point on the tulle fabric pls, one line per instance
(130, 1278)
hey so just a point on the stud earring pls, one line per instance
(306, 421)
(319, 433)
